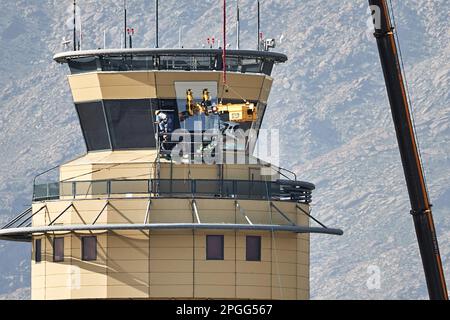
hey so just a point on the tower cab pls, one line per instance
(118, 94)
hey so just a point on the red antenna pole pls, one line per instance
(224, 41)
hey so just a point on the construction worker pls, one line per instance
(163, 129)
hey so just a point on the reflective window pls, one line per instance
(129, 186)
(82, 65)
(195, 102)
(214, 247)
(253, 248)
(58, 249)
(89, 248)
(38, 250)
(181, 61)
(92, 120)
(131, 123)
(177, 63)
(260, 116)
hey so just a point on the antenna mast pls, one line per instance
(224, 41)
(238, 27)
(125, 23)
(259, 26)
(157, 23)
(74, 25)
(80, 39)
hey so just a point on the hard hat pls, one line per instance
(162, 116)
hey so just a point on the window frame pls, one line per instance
(83, 249)
(248, 256)
(94, 139)
(58, 258)
(121, 115)
(221, 257)
(37, 250)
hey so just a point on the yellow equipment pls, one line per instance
(246, 112)
(190, 103)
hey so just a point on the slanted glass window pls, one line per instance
(83, 65)
(267, 67)
(93, 124)
(131, 123)
(89, 248)
(37, 250)
(58, 249)
(253, 248)
(214, 247)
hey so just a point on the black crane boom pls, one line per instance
(412, 166)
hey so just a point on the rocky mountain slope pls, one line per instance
(329, 102)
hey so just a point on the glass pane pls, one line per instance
(84, 188)
(131, 123)
(228, 189)
(253, 248)
(131, 186)
(251, 65)
(196, 101)
(114, 64)
(93, 124)
(53, 190)
(214, 247)
(207, 187)
(89, 248)
(38, 250)
(40, 191)
(58, 249)
(82, 65)
(66, 189)
(167, 187)
(267, 67)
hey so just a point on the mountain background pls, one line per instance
(329, 102)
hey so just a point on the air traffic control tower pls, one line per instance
(138, 216)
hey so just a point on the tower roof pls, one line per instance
(65, 57)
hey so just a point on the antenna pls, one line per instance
(130, 32)
(259, 26)
(180, 37)
(74, 25)
(80, 39)
(157, 23)
(125, 22)
(238, 27)
(224, 41)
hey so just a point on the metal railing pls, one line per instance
(160, 188)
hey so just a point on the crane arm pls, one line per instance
(412, 166)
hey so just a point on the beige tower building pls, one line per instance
(169, 201)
